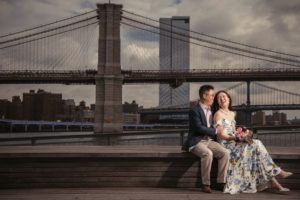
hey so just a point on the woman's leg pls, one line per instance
(239, 177)
(268, 169)
(266, 165)
(263, 151)
(284, 174)
(276, 185)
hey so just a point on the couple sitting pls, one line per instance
(243, 166)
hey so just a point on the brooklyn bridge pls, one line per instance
(110, 47)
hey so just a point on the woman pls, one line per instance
(251, 168)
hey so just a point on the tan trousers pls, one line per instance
(206, 150)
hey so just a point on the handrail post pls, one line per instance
(181, 137)
(108, 140)
(33, 141)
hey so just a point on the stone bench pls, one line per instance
(115, 166)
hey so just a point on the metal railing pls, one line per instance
(103, 139)
(279, 138)
(270, 136)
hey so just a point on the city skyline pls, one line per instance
(46, 106)
(89, 106)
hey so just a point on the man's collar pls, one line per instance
(204, 106)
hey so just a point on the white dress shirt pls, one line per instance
(209, 120)
(208, 114)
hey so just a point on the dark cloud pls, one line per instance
(177, 1)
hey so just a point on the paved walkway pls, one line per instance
(133, 194)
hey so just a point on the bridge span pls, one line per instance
(152, 76)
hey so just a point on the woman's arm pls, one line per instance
(233, 126)
(222, 135)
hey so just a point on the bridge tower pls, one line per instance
(109, 80)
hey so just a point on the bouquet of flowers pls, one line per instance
(244, 135)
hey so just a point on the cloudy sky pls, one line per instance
(271, 24)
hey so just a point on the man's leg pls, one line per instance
(201, 150)
(222, 154)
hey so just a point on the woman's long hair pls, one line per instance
(215, 106)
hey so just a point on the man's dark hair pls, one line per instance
(203, 89)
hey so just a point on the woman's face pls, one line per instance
(223, 100)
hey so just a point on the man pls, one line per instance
(201, 139)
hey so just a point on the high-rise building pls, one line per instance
(11, 110)
(130, 107)
(41, 105)
(174, 54)
(277, 118)
(259, 118)
(69, 109)
(4, 108)
(16, 108)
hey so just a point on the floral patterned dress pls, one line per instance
(250, 164)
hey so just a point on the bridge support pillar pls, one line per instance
(248, 117)
(109, 80)
(248, 93)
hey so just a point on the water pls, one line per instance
(46, 134)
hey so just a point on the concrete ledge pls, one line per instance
(122, 151)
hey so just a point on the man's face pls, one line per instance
(208, 97)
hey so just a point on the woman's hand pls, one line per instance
(232, 138)
(223, 136)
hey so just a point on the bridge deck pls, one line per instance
(152, 76)
(133, 194)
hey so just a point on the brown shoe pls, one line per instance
(220, 186)
(206, 189)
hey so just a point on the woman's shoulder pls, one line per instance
(232, 113)
(218, 113)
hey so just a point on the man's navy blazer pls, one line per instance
(197, 128)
